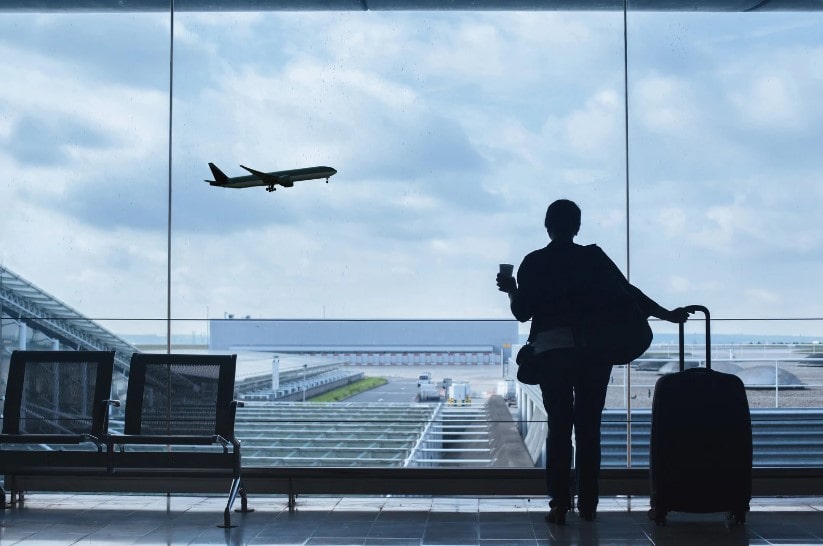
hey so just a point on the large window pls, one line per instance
(83, 201)
(725, 117)
(450, 133)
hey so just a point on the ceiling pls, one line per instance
(407, 5)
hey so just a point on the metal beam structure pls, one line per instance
(24, 303)
(408, 5)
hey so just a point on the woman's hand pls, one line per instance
(678, 315)
(506, 283)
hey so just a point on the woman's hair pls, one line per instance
(563, 218)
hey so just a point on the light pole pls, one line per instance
(304, 381)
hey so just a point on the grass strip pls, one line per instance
(357, 387)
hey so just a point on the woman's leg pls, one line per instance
(590, 397)
(558, 400)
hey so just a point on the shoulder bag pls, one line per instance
(528, 366)
(610, 327)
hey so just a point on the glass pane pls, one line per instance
(725, 115)
(451, 133)
(84, 135)
(724, 121)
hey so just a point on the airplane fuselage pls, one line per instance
(285, 178)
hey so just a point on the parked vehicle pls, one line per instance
(460, 394)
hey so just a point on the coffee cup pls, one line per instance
(507, 270)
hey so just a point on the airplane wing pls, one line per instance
(266, 177)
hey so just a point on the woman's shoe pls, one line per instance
(587, 510)
(586, 515)
(557, 515)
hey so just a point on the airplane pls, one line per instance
(269, 180)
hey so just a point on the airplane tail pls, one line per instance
(220, 179)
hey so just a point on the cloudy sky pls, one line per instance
(451, 133)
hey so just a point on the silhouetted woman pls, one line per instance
(551, 284)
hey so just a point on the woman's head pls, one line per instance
(562, 219)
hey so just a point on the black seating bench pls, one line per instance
(178, 427)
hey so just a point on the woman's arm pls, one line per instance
(519, 301)
(654, 309)
(646, 304)
(519, 305)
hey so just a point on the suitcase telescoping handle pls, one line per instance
(691, 309)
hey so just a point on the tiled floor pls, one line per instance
(117, 520)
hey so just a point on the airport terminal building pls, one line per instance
(372, 342)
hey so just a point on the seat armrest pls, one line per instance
(106, 405)
(96, 441)
(232, 413)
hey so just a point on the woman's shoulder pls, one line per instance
(550, 254)
(591, 247)
(595, 258)
(534, 254)
(534, 260)
(539, 255)
(593, 250)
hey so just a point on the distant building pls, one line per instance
(372, 342)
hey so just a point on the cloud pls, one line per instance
(763, 296)
(761, 221)
(41, 141)
(673, 220)
(594, 129)
(102, 274)
(103, 158)
(681, 285)
(770, 103)
(373, 128)
(134, 47)
(663, 104)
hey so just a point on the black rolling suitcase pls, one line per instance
(701, 441)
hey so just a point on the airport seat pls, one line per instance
(55, 416)
(179, 423)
